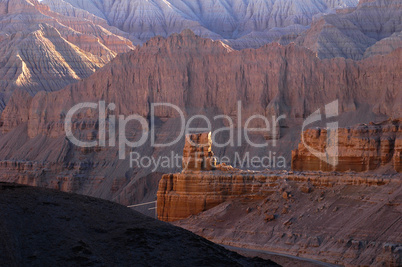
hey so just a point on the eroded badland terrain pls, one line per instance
(326, 74)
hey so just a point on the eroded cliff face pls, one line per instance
(201, 77)
(360, 148)
(270, 81)
(197, 153)
(398, 154)
(385, 46)
(43, 50)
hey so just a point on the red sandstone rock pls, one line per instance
(305, 188)
(360, 148)
(183, 194)
(269, 217)
(397, 160)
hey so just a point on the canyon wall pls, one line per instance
(47, 47)
(201, 77)
(208, 75)
(360, 148)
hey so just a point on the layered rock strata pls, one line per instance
(198, 189)
(181, 195)
(340, 28)
(360, 148)
(331, 216)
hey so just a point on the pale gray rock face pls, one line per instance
(385, 46)
(350, 33)
(221, 19)
(331, 28)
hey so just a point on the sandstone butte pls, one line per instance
(202, 185)
(201, 77)
(361, 148)
(268, 210)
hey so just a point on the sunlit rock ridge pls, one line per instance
(43, 50)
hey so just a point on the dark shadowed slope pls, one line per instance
(40, 227)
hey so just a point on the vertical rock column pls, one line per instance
(398, 152)
(197, 153)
